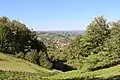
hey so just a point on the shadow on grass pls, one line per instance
(3, 59)
(61, 66)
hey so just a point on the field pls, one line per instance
(12, 68)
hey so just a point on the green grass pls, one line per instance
(12, 68)
(112, 73)
(7, 62)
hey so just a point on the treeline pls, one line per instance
(99, 47)
(18, 40)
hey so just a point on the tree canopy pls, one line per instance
(16, 38)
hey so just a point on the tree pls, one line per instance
(96, 34)
(18, 38)
(112, 44)
(93, 40)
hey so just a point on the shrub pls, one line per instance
(43, 60)
(31, 56)
(20, 55)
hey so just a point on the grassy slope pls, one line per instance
(108, 73)
(8, 62)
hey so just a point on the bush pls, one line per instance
(31, 56)
(98, 61)
(20, 55)
(38, 58)
(43, 60)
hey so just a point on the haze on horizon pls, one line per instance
(58, 15)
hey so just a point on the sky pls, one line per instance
(44, 15)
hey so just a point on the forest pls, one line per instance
(89, 55)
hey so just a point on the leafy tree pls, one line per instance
(96, 34)
(17, 39)
(93, 40)
(112, 44)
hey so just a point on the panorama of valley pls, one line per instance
(59, 40)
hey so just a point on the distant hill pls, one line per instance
(72, 32)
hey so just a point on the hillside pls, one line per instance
(112, 73)
(69, 32)
(9, 63)
(17, 68)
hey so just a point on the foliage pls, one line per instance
(31, 56)
(53, 41)
(20, 55)
(99, 61)
(92, 41)
(98, 47)
(112, 44)
(17, 39)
